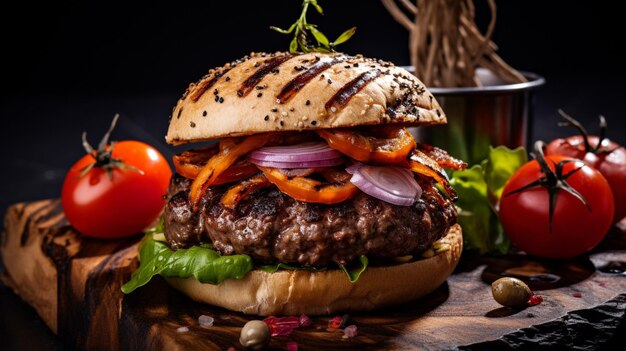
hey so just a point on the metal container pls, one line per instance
(496, 113)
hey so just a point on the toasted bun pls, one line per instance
(283, 92)
(315, 293)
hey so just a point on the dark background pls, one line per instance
(70, 65)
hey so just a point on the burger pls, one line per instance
(315, 198)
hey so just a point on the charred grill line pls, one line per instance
(206, 85)
(343, 95)
(294, 86)
(269, 66)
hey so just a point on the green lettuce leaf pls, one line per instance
(203, 263)
(501, 163)
(271, 268)
(479, 189)
(200, 262)
(354, 273)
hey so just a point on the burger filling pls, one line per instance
(312, 199)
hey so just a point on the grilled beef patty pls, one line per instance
(272, 227)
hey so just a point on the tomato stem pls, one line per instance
(598, 149)
(103, 156)
(552, 181)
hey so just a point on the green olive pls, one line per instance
(510, 292)
(255, 335)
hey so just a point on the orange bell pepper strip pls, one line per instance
(393, 147)
(310, 190)
(239, 191)
(190, 163)
(231, 149)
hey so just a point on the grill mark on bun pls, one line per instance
(269, 66)
(205, 85)
(343, 95)
(292, 88)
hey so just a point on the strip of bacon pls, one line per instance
(442, 157)
(420, 163)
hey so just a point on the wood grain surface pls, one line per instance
(74, 284)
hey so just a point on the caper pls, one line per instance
(255, 335)
(510, 292)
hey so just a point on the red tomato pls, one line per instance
(575, 228)
(125, 204)
(612, 164)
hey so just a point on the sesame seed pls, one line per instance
(274, 109)
(192, 124)
(313, 123)
(259, 94)
(203, 113)
(266, 118)
(227, 79)
(333, 109)
(284, 113)
(217, 98)
(221, 99)
(330, 81)
(308, 102)
(215, 92)
(282, 123)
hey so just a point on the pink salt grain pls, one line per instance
(350, 331)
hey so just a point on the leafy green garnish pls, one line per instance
(203, 263)
(200, 262)
(355, 273)
(303, 31)
(271, 268)
(479, 189)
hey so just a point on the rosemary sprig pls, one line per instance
(303, 31)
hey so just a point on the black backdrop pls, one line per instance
(70, 65)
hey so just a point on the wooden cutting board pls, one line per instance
(74, 284)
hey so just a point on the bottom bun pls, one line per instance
(315, 293)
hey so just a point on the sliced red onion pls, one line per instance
(304, 164)
(391, 184)
(305, 152)
(353, 168)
